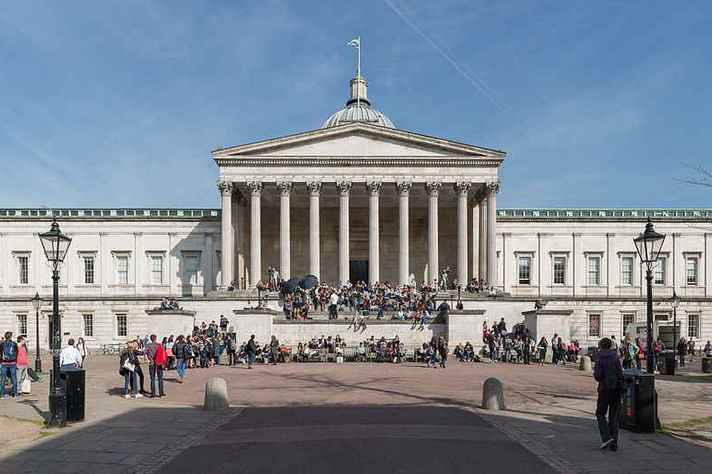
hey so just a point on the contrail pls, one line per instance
(471, 77)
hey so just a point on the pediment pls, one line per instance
(358, 139)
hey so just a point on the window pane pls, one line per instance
(628, 319)
(559, 270)
(192, 266)
(88, 324)
(22, 325)
(122, 270)
(693, 325)
(524, 270)
(24, 276)
(594, 325)
(157, 270)
(89, 270)
(594, 271)
(692, 271)
(627, 271)
(121, 327)
(660, 271)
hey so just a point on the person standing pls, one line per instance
(179, 353)
(274, 350)
(156, 363)
(333, 306)
(682, 350)
(82, 348)
(543, 345)
(8, 363)
(609, 375)
(70, 358)
(251, 350)
(23, 363)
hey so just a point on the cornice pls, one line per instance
(358, 162)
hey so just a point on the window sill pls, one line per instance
(156, 285)
(122, 285)
(88, 285)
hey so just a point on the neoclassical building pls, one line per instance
(357, 199)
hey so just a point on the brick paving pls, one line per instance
(549, 416)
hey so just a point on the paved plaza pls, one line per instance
(355, 418)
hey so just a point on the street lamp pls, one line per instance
(648, 244)
(55, 245)
(675, 302)
(36, 303)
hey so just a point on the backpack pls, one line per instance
(8, 353)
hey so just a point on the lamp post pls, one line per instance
(675, 301)
(36, 303)
(55, 245)
(648, 244)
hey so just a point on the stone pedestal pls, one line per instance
(166, 322)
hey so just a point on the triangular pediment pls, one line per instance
(358, 139)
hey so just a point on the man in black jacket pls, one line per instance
(251, 350)
(609, 375)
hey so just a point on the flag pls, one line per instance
(356, 42)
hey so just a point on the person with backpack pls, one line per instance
(609, 375)
(157, 359)
(8, 364)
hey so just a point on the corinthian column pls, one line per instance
(314, 188)
(344, 188)
(374, 190)
(226, 252)
(483, 235)
(432, 189)
(285, 266)
(461, 189)
(404, 237)
(255, 232)
(492, 189)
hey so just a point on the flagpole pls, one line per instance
(358, 75)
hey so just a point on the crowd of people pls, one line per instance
(361, 300)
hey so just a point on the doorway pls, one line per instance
(358, 271)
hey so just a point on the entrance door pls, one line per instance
(358, 271)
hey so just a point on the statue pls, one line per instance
(443, 278)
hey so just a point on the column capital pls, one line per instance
(403, 187)
(255, 187)
(285, 187)
(344, 187)
(314, 187)
(493, 187)
(462, 187)
(225, 187)
(432, 188)
(374, 187)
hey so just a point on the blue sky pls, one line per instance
(118, 103)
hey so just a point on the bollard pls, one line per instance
(493, 394)
(215, 394)
(585, 364)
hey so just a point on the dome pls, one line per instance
(358, 109)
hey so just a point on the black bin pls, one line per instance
(638, 409)
(707, 365)
(667, 364)
(74, 387)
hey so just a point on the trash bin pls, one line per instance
(73, 384)
(638, 408)
(667, 365)
(707, 365)
(591, 352)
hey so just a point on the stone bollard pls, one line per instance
(493, 394)
(585, 364)
(215, 394)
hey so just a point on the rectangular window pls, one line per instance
(88, 324)
(691, 264)
(627, 271)
(192, 266)
(121, 325)
(594, 271)
(660, 271)
(23, 268)
(628, 319)
(693, 325)
(122, 269)
(594, 325)
(157, 269)
(22, 325)
(559, 270)
(525, 264)
(88, 269)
